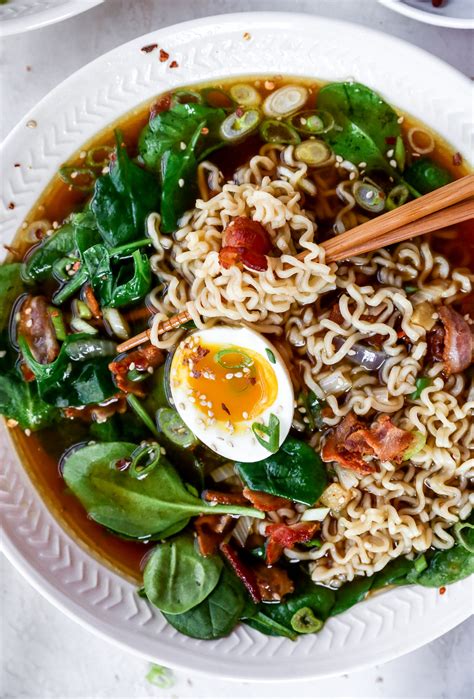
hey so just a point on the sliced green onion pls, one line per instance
(420, 564)
(316, 514)
(170, 423)
(140, 411)
(57, 321)
(410, 289)
(314, 543)
(217, 98)
(81, 309)
(135, 375)
(239, 124)
(144, 460)
(272, 431)
(129, 248)
(312, 122)
(285, 101)
(397, 197)
(304, 621)
(99, 156)
(245, 95)
(71, 287)
(418, 443)
(274, 131)
(186, 97)
(160, 676)
(420, 384)
(244, 359)
(270, 355)
(80, 178)
(400, 153)
(61, 268)
(313, 152)
(89, 348)
(369, 197)
(82, 326)
(464, 535)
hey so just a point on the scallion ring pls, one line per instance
(245, 95)
(285, 101)
(312, 122)
(173, 427)
(369, 197)
(239, 124)
(80, 178)
(313, 152)
(144, 460)
(304, 621)
(274, 131)
(99, 156)
(272, 431)
(185, 97)
(241, 359)
(397, 197)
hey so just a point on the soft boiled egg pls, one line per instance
(226, 380)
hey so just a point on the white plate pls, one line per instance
(374, 631)
(457, 14)
(22, 15)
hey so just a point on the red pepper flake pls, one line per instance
(204, 130)
(28, 68)
(225, 408)
(239, 111)
(390, 140)
(247, 36)
(122, 464)
(164, 55)
(149, 48)
(457, 159)
(442, 590)
(173, 64)
(76, 266)
(17, 165)
(11, 205)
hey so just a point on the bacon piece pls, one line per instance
(245, 233)
(142, 359)
(36, 327)
(161, 105)
(255, 261)
(243, 571)
(458, 341)
(281, 536)
(211, 530)
(264, 501)
(435, 339)
(334, 448)
(98, 413)
(92, 302)
(228, 257)
(224, 498)
(273, 583)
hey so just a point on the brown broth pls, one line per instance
(41, 452)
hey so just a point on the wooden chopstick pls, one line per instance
(442, 208)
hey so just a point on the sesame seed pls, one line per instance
(192, 399)
(182, 145)
(32, 124)
(400, 120)
(245, 415)
(12, 423)
(362, 164)
(29, 323)
(393, 163)
(150, 370)
(352, 176)
(28, 432)
(239, 375)
(209, 404)
(229, 376)
(369, 195)
(132, 364)
(28, 311)
(306, 421)
(302, 410)
(181, 182)
(182, 406)
(338, 159)
(210, 413)
(390, 153)
(3, 354)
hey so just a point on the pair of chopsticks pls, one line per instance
(442, 208)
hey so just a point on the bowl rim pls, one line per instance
(175, 657)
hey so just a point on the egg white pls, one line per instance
(239, 444)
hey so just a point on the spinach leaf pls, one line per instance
(123, 199)
(73, 379)
(351, 593)
(178, 170)
(217, 615)
(447, 567)
(394, 573)
(177, 125)
(111, 291)
(295, 471)
(365, 125)
(40, 260)
(464, 533)
(86, 233)
(425, 175)
(155, 506)
(268, 626)
(177, 577)
(11, 286)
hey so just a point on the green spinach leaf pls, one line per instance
(447, 567)
(425, 175)
(40, 260)
(155, 506)
(351, 593)
(295, 471)
(177, 577)
(72, 379)
(215, 616)
(119, 291)
(394, 573)
(11, 286)
(123, 199)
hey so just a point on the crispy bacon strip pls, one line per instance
(264, 501)
(283, 536)
(142, 359)
(352, 439)
(98, 413)
(245, 242)
(36, 326)
(458, 346)
(243, 571)
(211, 530)
(273, 583)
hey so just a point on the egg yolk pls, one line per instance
(228, 383)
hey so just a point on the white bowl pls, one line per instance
(389, 624)
(18, 16)
(456, 14)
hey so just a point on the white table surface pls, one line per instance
(45, 654)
